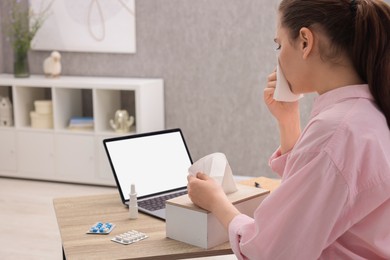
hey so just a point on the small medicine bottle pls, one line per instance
(133, 204)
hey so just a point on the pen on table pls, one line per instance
(257, 185)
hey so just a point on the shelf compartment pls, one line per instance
(24, 103)
(108, 101)
(6, 107)
(70, 103)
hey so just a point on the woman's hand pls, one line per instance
(204, 191)
(207, 194)
(286, 113)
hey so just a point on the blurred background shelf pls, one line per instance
(58, 153)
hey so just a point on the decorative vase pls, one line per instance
(21, 67)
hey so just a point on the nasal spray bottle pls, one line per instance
(133, 205)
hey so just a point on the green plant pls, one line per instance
(23, 24)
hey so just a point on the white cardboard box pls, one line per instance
(190, 224)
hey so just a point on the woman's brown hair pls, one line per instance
(360, 28)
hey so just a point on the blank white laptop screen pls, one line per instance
(154, 163)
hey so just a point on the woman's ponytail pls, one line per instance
(371, 49)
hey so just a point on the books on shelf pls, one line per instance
(81, 123)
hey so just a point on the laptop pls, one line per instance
(156, 163)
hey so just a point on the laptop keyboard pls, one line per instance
(157, 203)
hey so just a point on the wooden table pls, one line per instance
(75, 216)
(265, 183)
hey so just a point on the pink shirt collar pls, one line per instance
(334, 96)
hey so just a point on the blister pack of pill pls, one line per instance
(129, 237)
(101, 228)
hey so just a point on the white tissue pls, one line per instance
(217, 167)
(282, 90)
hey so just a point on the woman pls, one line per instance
(334, 199)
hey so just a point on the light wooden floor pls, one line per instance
(28, 223)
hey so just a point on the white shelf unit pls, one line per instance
(60, 154)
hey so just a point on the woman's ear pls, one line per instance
(306, 41)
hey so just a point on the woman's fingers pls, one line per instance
(272, 77)
(202, 176)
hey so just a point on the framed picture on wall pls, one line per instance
(86, 26)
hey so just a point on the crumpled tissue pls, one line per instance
(217, 167)
(282, 90)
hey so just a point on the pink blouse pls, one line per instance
(334, 199)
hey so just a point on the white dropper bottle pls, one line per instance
(133, 205)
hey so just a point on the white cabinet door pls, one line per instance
(35, 154)
(7, 150)
(75, 155)
(104, 168)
